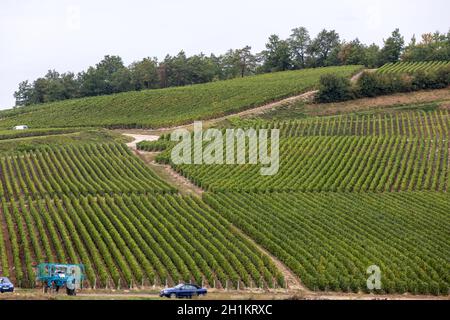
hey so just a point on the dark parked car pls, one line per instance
(6, 285)
(183, 291)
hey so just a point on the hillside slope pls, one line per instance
(168, 107)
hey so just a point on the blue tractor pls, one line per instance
(55, 276)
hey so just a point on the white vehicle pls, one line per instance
(22, 127)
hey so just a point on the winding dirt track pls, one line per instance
(139, 138)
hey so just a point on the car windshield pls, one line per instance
(179, 286)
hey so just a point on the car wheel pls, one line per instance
(172, 295)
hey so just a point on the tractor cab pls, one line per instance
(54, 276)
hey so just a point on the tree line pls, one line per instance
(298, 51)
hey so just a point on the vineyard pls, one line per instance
(352, 190)
(412, 124)
(343, 163)
(330, 239)
(83, 170)
(8, 134)
(411, 67)
(130, 240)
(172, 106)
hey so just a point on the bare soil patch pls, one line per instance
(169, 175)
(291, 279)
(213, 294)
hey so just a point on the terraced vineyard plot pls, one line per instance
(14, 134)
(89, 169)
(168, 107)
(330, 239)
(131, 240)
(411, 124)
(410, 67)
(347, 163)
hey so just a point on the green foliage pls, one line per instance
(393, 48)
(413, 67)
(150, 239)
(330, 239)
(391, 78)
(424, 121)
(167, 107)
(431, 47)
(277, 56)
(334, 88)
(14, 134)
(152, 146)
(322, 48)
(88, 169)
(98, 205)
(344, 164)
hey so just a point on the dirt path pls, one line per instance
(187, 187)
(213, 294)
(169, 175)
(359, 74)
(307, 97)
(291, 279)
(139, 138)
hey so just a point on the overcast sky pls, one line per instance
(38, 35)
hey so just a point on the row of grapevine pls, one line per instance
(153, 146)
(410, 67)
(131, 240)
(4, 267)
(346, 163)
(82, 170)
(330, 239)
(14, 134)
(412, 124)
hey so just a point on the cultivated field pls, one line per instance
(357, 186)
(410, 67)
(412, 124)
(173, 106)
(330, 239)
(127, 241)
(345, 163)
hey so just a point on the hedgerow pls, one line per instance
(336, 88)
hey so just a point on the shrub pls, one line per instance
(436, 79)
(443, 76)
(376, 84)
(368, 85)
(334, 88)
